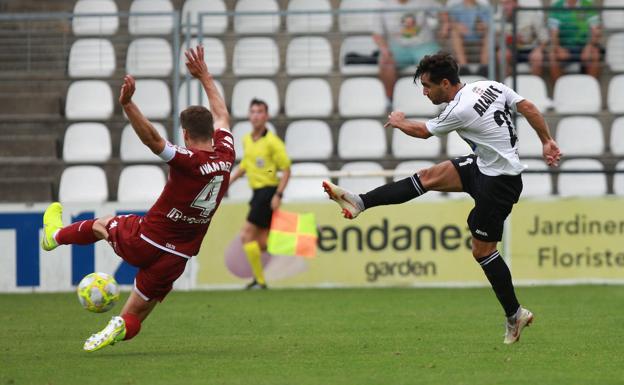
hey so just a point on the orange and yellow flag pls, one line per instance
(292, 234)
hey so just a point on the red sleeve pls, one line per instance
(179, 157)
(223, 143)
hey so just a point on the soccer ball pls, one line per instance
(98, 292)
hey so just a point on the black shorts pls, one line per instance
(494, 197)
(260, 212)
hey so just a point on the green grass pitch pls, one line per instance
(299, 337)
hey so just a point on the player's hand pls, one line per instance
(276, 201)
(195, 62)
(127, 90)
(552, 154)
(395, 119)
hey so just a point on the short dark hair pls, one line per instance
(197, 121)
(439, 66)
(259, 102)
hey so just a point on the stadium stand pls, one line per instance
(305, 188)
(87, 143)
(140, 183)
(81, 184)
(361, 184)
(131, 149)
(582, 184)
(81, 61)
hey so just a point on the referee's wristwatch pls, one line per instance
(280, 194)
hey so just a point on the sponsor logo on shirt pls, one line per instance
(178, 216)
(487, 98)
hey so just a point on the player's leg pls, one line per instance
(78, 233)
(152, 284)
(441, 177)
(254, 242)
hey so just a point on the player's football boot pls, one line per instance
(255, 285)
(515, 325)
(115, 331)
(350, 203)
(52, 221)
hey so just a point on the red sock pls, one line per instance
(79, 233)
(133, 325)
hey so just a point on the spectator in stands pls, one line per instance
(469, 24)
(575, 37)
(531, 37)
(405, 33)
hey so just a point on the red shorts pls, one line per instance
(158, 269)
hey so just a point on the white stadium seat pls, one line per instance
(239, 130)
(532, 88)
(150, 25)
(616, 141)
(214, 55)
(580, 136)
(582, 184)
(409, 98)
(215, 24)
(131, 149)
(153, 98)
(361, 184)
(255, 56)
(613, 19)
(536, 185)
(309, 55)
(615, 101)
(306, 188)
(91, 58)
(408, 168)
(299, 136)
(361, 139)
(95, 25)
(349, 21)
(529, 143)
(309, 23)
(615, 52)
(408, 147)
(195, 96)
(362, 46)
(309, 97)
(362, 97)
(239, 190)
(255, 24)
(89, 100)
(140, 183)
(87, 143)
(568, 99)
(246, 90)
(456, 146)
(83, 184)
(618, 179)
(149, 57)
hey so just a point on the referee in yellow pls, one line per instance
(264, 153)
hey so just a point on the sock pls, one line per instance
(254, 256)
(133, 325)
(79, 233)
(394, 193)
(497, 272)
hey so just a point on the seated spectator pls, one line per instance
(531, 37)
(575, 37)
(469, 24)
(405, 34)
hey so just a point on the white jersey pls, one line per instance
(481, 113)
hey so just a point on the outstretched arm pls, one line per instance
(551, 152)
(143, 128)
(409, 127)
(197, 67)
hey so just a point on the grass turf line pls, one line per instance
(367, 336)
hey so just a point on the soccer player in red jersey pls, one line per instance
(161, 242)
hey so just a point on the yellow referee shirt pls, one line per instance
(263, 158)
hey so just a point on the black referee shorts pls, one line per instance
(260, 212)
(494, 197)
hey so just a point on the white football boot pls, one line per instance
(350, 203)
(115, 331)
(515, 324)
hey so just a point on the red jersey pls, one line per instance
(197, 181)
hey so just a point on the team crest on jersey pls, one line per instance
(477, 90)
(259, 162)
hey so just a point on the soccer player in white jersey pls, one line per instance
(481, 113)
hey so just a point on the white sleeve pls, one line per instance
(511, 96)
(446, 122)
(168, 152)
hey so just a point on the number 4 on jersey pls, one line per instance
(206, 200)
